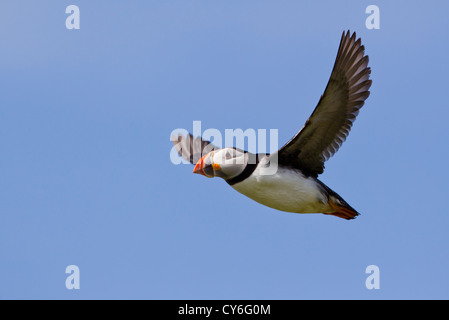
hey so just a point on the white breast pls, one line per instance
(286, 190)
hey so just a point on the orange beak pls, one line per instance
(204, 166)
(199, 166)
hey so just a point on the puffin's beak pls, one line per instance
(204, 166)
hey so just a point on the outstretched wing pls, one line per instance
(192, 149)
(331, 121)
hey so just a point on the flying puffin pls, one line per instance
(294, 186)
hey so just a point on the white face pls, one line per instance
(228, 162)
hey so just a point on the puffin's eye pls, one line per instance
(228, 155)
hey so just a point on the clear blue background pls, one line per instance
(85, 171)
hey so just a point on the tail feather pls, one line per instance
(342, 208)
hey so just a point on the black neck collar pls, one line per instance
(249, 169)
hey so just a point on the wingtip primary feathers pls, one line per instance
(190, 148)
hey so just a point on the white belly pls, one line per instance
(286, 190)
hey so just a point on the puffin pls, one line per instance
(287, 180)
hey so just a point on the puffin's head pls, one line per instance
(225, 163)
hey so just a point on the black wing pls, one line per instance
(331, 121)
(192, 149)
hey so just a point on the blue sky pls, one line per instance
(85, 171)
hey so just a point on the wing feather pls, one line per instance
(192, 149)
(329, 125)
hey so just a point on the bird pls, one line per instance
(294, 185)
